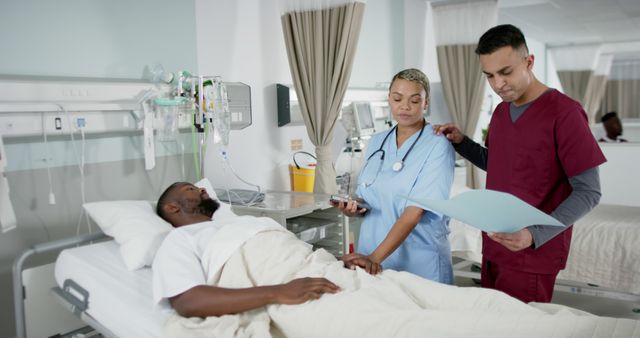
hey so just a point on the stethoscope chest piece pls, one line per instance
(397, 166)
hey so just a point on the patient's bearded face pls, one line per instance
(208, 206)
(195, 200)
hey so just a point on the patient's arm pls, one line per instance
(204, 300)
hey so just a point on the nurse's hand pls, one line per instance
(353, 259)
(450, 131)
(515, 241)
(350, 208)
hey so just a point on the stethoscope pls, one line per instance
(397, 166)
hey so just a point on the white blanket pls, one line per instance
(394, 304)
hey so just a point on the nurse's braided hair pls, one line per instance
(414, 75)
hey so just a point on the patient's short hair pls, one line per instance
(166, 198)
(608, 116)
(501, 36)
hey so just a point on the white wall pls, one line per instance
(242, 41)
(94, 38)
(619, 175)
(381, 47)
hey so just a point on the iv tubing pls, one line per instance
(195, 151)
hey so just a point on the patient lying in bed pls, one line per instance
(180, 279)
(247, 276)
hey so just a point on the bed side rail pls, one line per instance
(75, 295)
(75, 299)
(18, 263)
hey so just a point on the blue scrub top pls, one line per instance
(427, 173)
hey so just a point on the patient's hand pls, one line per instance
(301, 290)
(353, 259)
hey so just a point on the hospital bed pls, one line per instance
(110, 294)
(604, 259)
(94, 284)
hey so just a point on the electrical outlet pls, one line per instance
(296, 144)
(81, 122)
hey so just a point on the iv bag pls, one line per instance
(168, 111)
(221, 116)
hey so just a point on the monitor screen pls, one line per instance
(364, 116)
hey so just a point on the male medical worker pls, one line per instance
(407, 160)
(540, 149)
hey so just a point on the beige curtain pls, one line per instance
(463, 86)
(575, 83)
(585, 87)
(321, 45)
(622, 97)
(594, 95)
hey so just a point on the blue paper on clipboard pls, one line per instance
(489, 210)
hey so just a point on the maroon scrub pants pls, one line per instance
(525, 286)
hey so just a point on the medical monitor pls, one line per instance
(363, 118)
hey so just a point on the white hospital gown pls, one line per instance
(183, 260)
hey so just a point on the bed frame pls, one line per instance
(67, 295)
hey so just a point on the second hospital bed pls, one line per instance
(604, 253)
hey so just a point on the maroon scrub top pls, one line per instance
(532, 159)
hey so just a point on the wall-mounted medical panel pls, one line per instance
(23, 93)
(52, 105)
(63, 123)
(34, 105)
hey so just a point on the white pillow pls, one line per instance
(134, 225)
(224, 212)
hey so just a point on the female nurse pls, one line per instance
(407, 160)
